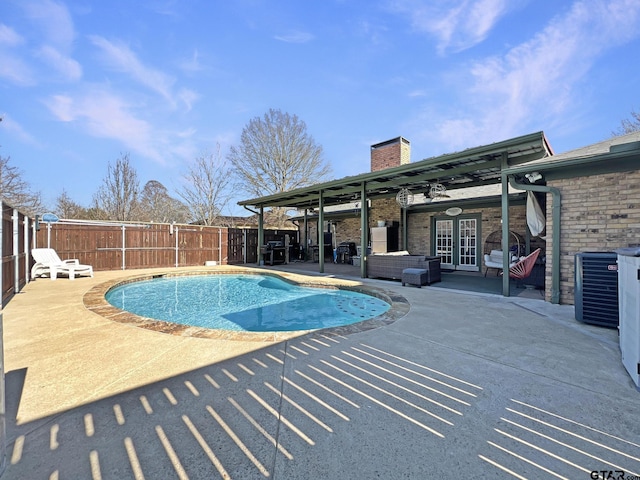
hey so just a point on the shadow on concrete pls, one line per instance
(325, 406)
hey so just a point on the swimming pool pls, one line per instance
(250, 303)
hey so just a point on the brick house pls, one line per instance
(595, 189)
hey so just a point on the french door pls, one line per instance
(456, 241)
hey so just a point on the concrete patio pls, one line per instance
(463, 385)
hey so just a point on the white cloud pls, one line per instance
(62, 107)
(16, 130)
(122, 58)
(67, 66)
(106, 115)
(192, 65)
(57, 34)
(535, 81)
(9, 37)
(456, 25)
(101, 113)
(295, 36)
(12, 65)
(189, 132)
(188, 97)
(15, 70)
(54, 19)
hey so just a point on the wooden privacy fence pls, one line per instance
(115, 246)
(15, 231)
(111, 246)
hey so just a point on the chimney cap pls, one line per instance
(390, 142)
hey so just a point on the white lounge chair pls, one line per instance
(49, 263)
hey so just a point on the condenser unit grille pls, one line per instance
(596, 288)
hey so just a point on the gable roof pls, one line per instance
(620, 153)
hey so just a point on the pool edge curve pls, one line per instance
(95, 301)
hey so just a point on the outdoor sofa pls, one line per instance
(391, 265)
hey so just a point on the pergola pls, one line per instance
(473, 167)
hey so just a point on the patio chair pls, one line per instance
(522, 269)
(48, 262)
(494, 260)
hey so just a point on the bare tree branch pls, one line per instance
(207, 190)
(156, 205)
(16, 192)
(276, 154)
(117, 197)
(628, 125)
(67, 208)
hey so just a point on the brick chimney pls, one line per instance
(391, 153)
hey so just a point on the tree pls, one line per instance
(67, 208)
(117, 197)
(276, 154)
(207, 188)
(156, 205)
(628, 125)
(15, 191)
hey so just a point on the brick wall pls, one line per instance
(419, 226)
(348, 229)
(384, 210)
(391, 153)
(599, 213)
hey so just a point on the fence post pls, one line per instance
(244, 245)
(16, 251)
(3, 435)
(220, 245)
(124, 250)
(25, 231)
(175, 231)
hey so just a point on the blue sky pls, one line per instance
(82, 82)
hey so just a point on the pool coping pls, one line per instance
(95, 301)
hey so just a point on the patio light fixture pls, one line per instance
(533, 177)
(437, 190)
(404, 197)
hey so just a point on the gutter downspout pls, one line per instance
(260, 231)
(252, 211)
(555, 235)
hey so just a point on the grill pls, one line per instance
(344, 252)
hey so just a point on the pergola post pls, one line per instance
(306, 234)
(260, 235)
(405, 241)
(364, 230)
(321, 231)
(506, 255)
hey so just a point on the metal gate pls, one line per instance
(235, 246)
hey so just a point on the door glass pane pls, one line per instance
(444, 240)
(467, 242)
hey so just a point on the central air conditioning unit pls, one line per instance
(596, 288)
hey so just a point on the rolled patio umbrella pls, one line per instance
(535, 218)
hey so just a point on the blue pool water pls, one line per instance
(252, 303)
